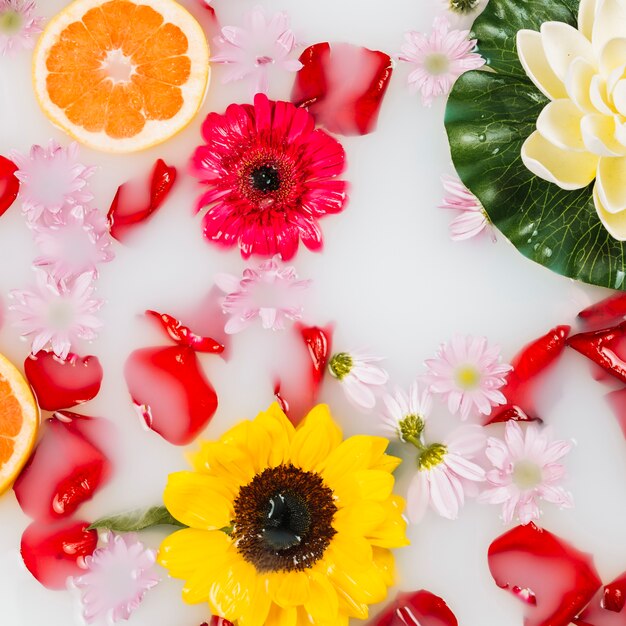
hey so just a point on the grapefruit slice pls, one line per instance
(19, 422)
(121, 76)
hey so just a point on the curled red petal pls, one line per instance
(601, 347)
(130, 207)
(614, 594)
(54, 552)
(63, 383)
(183, 336)
(420, 607)
(9, 184)
(507, 413)
(611, 309)
(343, 86)
(555, 580)
(217, 621)
(67, 467)
(606, 608)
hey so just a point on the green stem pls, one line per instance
(415, 441)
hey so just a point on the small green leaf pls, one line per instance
(139, 519)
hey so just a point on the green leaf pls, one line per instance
(488, 118)
(139, 519)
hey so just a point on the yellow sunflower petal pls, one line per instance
(323, 604)
(226, 462)
(282, 617)
(233, 589)
(315, 439)
(275, 432)
(290, 588)
(256, 613)
(386, 462)
(360, 518)
(198, 500)
(386, 565)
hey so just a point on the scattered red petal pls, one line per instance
(318, 341)
(170, 391)
(183, 336)
(606, 607)
(217, 621)
(343, 86)
(284, 405)
(67, 467)
(9, 184)
(602, 346)
(62, 384)
(419, 608)
(555, 580)
(207, 6)
(130, 207)
(607, 311)
(529, 365)
(614, 596)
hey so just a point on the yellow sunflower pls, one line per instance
(287, 527)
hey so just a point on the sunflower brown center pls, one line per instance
(283, 519)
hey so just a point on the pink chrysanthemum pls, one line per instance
(269, 292)
(57, 313)
(525, 470)
(439, 59)
(271, 175)
(251, 51)
(472, 219)
(469, 374)
(406, 413)
(359, 375)
(444, 471)
(18, 25)
(51, 179)
(118, 577)
(76, 245)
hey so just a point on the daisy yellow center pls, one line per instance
(526, 474)
(410, 427)
(60, 314)
(10, 22)
(463, 6)
(340, 365)
(118, 67)
(432, 456)
(437, 63)
(467, 377)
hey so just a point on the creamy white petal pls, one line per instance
(562, 44)
(609, 23)
(535, 63)
(611, 184)
(614, 77)
(586, 16)
(613, 55)
(559, 123)
(619, 97)
(620, 132)
(578, 84)
(598, 133)
(568, 169)
(615, 223)
(599, 95)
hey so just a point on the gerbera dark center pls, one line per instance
(283, 519)
(265, 178)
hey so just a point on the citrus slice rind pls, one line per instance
(157, 129)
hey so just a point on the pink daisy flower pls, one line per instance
(472, 219)
(18, 25)
(270, 176)
(406, 413)
(57, 313)
(251, 51)
(77, 245)
(469, 374)
(269, 292)
(444, 472)
(439, 59)
(51, 179)
(526, 469)
(117, 579)
(359, 376)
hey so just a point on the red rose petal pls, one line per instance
(9, 184)
(600, 314)
(603, 347)
(62, 384)
(54, 552)
(343, 86)
(606, 608)
(66, 468)
(217, 621)
(133, 203)
(171, 392)
(555, 580)
(183, 336)
(419, 608)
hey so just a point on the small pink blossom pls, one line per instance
(117, 579)
(472, 219)
(51, 180)
(270, 292)
(57, 313)
(249, 52)
(469, 374)
(525, 470)
(18, 25)
(406, 412)
(439, 59)
(359, 375)
(445, 472)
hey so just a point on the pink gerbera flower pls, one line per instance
(18, 25)
(270, 175)
(51, 179)
(526, 469)
(472, 219)
(444, 471)
(469, 374)
(117, 579)
(57, 313)
(251, 51)
(439, 59)
(360, 376)
(269, 292)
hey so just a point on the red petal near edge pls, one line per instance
(343, 86)
(611, 309)
(183, 336)
(53, 552)
(606, 609)
(602, 347)
(420, 608)
(555, 580)
(9, 184)
(62, 384)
